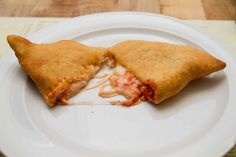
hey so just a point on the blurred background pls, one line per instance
(184, 9)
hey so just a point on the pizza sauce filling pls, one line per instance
(76, 84)
(126, 84)
(120, 81)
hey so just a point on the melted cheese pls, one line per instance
(128, 85)
(77, 84)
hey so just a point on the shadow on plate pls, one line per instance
(191, 93)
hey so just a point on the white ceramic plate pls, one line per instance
(199, 122)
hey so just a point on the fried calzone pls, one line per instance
(59, 70)
(156, 71)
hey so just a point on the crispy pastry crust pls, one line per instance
(55, 67)
(166, 68)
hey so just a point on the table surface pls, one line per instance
(184, 9)
(224, 30)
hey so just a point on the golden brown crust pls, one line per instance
(167, 68)
(53, 67)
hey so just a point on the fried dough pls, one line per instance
(165, 68)
(60, 69)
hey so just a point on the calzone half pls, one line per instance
(161, 70)
(60, 69)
